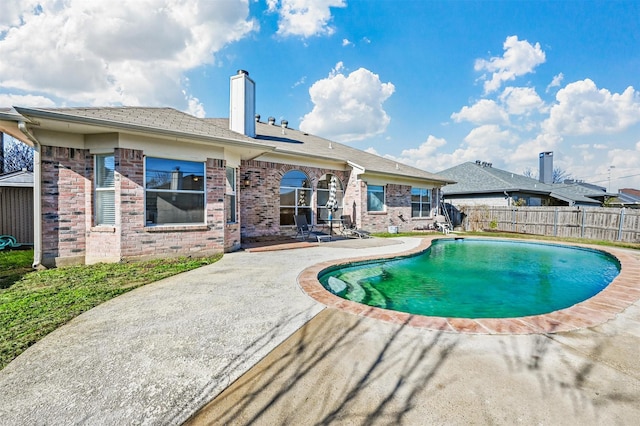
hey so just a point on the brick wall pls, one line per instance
(140, 241)
(70, 235)
(260, 201)
(397, 210)
(65, 188)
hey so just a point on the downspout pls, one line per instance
(37, 195)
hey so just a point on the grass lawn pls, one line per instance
(34, 303)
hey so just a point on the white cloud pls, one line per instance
(346, 42)
(556, 82)
(520, 58)
(348, 107)
(489, 136)
(305, 18)
(12, 12)
(583, 109)
(521, 100)
(485, 111)
(26, 101)
(115, 51)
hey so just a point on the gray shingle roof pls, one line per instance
(297, 142)
(143, 118)
(475, 178)
(269, 137)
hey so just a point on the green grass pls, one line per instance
(13, 265)
(34, 303)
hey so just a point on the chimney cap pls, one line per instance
(245, 72)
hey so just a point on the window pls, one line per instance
(174, 191)
(420, 202)
(375, 198)
(295, 197)
(324, 195)
(230, 195)
(105, 202)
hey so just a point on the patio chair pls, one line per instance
(441, 224)
(349, 229)
(303, 229)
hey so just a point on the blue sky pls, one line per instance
(428, 83)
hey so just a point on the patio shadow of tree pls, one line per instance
(294, 381)
(326, 373)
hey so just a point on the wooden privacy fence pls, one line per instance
(595, 223)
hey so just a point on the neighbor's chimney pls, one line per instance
(242, 108)
(546, 167)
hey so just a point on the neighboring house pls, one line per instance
(626, 197)
(16, 205)
(126, 182)
(480, 183)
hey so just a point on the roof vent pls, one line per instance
(284, 124)
(272, 121)
(257, 118)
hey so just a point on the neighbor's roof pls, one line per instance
(480, 178)
(168, 121)
(19, 179)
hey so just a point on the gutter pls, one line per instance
(58, 116)
(37, 195)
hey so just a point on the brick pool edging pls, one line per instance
(623, 291)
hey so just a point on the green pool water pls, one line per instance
(474, 278)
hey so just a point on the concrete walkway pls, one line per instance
(160, 353)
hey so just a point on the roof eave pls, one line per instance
(58, 116)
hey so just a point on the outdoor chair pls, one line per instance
(303, 229)
(349, 229)
(442, 225)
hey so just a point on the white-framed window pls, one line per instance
(420, 202)
(174, 191)
(375, 198)
(295, 197)
(326, 185)
(105, 191)
(230, 195)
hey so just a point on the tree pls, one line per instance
(15, 155)
(559, 175)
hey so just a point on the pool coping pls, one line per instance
(623, 291)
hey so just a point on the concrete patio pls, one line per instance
(239, 342)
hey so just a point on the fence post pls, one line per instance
(620, 224)
(513, 220)
(555, 223)
(584, 215)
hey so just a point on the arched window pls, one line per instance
(324, 195)
(295, 197)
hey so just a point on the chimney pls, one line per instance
(242, 108)
(546, 167)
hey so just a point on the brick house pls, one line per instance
(135, 182)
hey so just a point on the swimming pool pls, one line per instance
(476, 278)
